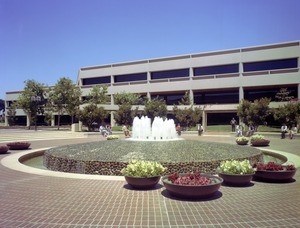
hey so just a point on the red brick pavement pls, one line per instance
(29, 200)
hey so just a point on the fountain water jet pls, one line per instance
(161, 130)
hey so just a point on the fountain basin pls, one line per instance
(109, 157)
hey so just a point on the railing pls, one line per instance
(269, 72)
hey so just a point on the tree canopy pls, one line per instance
(64, 97)
(254, 112)
(32, 99)
(156, 107)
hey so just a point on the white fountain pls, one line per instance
(161, 130)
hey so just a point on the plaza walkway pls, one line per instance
(42, 200)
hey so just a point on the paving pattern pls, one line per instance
(29, 200)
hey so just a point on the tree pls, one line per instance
(283, 95)
(73, 103)
(156, 107)
(185, 100)
(126, 98)
(288, 114)
(64, 97)
(2, 106)
(32, 99)
(98, 95)
(187, 117)
(92, 114)
(125, 115)
(254, 112)
(11, 113)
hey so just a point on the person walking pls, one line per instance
(200, 129)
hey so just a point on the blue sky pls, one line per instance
(45, 40)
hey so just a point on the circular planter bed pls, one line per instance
(274, 172)
(242, 143)
(236, 179)
(193, 191)
(261, 142)
(142, 182)
(18, 145)
(3, 149)
(275, 176)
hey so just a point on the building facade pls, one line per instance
(216, 81)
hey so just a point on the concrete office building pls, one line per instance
(216, 81)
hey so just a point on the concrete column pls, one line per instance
(241, 69)
(80, 126)
(149, 96)
(241, 93)
(204, 120)
(27, 120)
(112, 79)
(52, 121)
(6, 120)
(148, 76)
(191, 96)
(112, 99)
(191, 73)
(112, 120)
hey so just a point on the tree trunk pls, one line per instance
(58, 121)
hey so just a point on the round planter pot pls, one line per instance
(242, 143)
(142, 182)
(193, 192)
(275, 176)
(236, 179)
(18, 145)
(263, 142)
(3, 149)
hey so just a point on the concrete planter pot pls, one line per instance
(236, 179)
(242, 143)
(193, 191)
(3, 149)
(142, 182)
(275, 176)
(261, 142)
(18, 145)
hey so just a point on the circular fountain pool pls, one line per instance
(109, 157)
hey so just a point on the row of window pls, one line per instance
(198, 72)
(220, 97)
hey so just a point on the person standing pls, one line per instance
(283, 131)
(178, 129)
(233, 124)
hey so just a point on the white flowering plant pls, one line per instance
(143, 169)
(236, 167)
(242, 139)
(112, 137)
(257, 137)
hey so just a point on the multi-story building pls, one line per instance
(216, 81)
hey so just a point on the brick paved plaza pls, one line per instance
(42, 200)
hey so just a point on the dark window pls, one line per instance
(212, 70)
(170, 74)
(171, 99)
(271, 65)
(220, 118)
(95, 81)
(255, 94)
(131, 77)
(222, 97)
